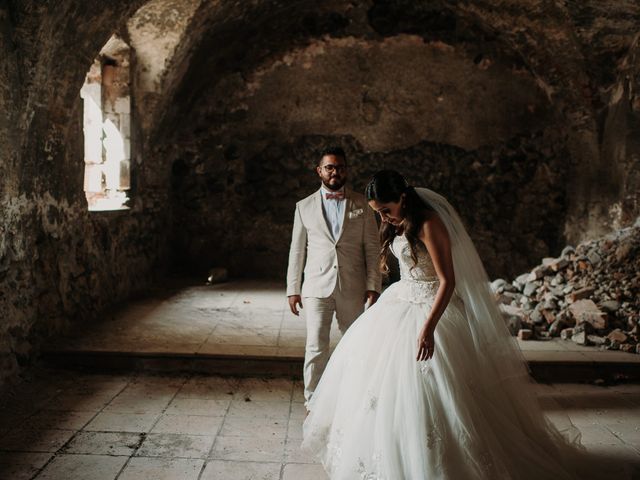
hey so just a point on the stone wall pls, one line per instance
(476, 130)
(59, 264)
(387, 78)
(620, 189)
(507, 193)
(523, 113)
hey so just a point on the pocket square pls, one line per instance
(356, 213)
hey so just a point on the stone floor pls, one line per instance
(64, 425)
(243, 318)
(239, 318)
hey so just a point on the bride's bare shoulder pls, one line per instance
(433, 226)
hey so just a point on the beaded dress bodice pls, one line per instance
(423, 271)
(418, 281)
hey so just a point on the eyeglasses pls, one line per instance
(334, 168)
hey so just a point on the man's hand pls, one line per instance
(294, 301)
(370, 297)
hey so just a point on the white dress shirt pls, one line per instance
(333, 211)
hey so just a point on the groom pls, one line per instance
(335, 244)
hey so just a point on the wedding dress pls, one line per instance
(467, 413)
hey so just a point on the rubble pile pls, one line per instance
(589, 295)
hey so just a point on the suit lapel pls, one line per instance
(320, 214)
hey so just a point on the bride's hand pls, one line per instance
(426, 345)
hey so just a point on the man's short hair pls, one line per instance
(335, 151)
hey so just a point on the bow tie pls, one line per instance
(334, 196)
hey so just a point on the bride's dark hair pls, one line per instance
(388, 186)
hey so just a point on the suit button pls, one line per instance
(335, 266)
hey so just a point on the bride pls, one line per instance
(428, 383)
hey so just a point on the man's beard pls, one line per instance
(336, 186)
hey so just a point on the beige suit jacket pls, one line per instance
(351, 260)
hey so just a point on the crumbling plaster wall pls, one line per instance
(580, 52)
(572, 53)
(473, 130)
(155, 32)
(620, 144)
(59, 264)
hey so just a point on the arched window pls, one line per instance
(107, 128)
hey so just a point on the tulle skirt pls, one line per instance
(378, 414)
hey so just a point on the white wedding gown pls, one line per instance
(378, 414)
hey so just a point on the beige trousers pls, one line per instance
(319, 316)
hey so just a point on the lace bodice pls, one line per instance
(418, 282)
(423, 271)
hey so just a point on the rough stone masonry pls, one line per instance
(526, 114)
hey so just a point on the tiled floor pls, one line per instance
(244, 318)
(62, 425)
